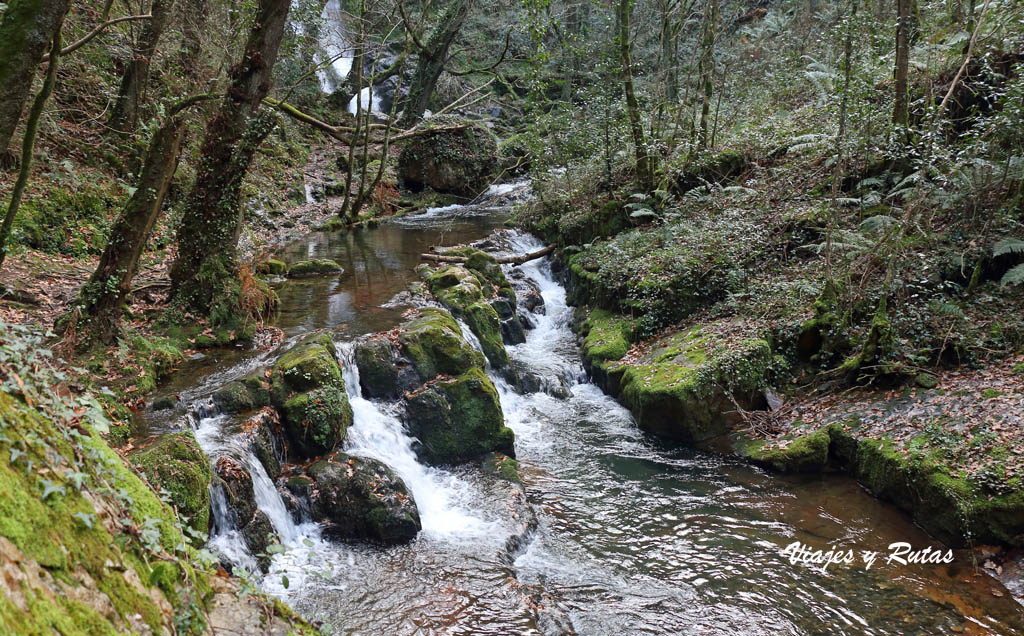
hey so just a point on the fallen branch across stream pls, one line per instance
(508, 260)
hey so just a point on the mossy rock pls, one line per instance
(311, 364)
(362, 499)
(458, 162)
(317, 267)
(166, 402)
(952, 508)
(176, 464)
(606, 336)
(806, 453)
(247, 394)
(458, 420)
(503, 466)
(483, 321)
(62, 537)
(433, 342)
(272, 267)
(456, 287)
(316, 421)
(380, 366)
(684, 388)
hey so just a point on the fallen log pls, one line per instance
(507, 260)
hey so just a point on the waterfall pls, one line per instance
(377, 432)
(303, 547)
(336, 46)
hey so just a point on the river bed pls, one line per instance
(633, 535)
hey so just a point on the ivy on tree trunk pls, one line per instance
(204, 278)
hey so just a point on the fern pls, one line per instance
(876, 224)
(1008, 245)
(1013, 277)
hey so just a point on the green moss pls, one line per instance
(49, 520)
(316, 421)
(483, 321)
(310, 364)
(806, 453)
(176, 464)
(314, 268)
(434, 343)
(273, 267)
(683, 389)
(503, 466)
(249, 393)
(606, 336)
(459, 420)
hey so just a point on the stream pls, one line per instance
(632, 535)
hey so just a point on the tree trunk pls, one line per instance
(28, 143)
(432, 58)
(706, 69)
(26, 31)
(667, 54)
(204, 277)
(901, 108)
(102, 299)
(125, 115)
(644, 167)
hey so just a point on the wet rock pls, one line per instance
(458, 420)
(527, 292)
(512, 331)
(175, 463)
(272, 267)
(166, 402)
(429, 344)
(259, 534)
(362, 499)
(458, 162)
(297, 492)
(503, 466)
(314, 268)
(260, 431)
(247, 394)
(235, 482)
(308, 390)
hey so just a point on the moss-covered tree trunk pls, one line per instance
(204, 277)
(644, 164)
(432, 57)
(125, 114)
(706, 67)
(26, 31)
(901, 106)
(103, 297)
(28, 144)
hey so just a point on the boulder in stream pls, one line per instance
(457, 158)
(362, 499)
(429, 344)
(235, 482)
(462, 291)
(458, 420)
(175, 463)
(315, 267)
(308, 390)
(246, 394)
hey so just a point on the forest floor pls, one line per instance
(973, 417)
